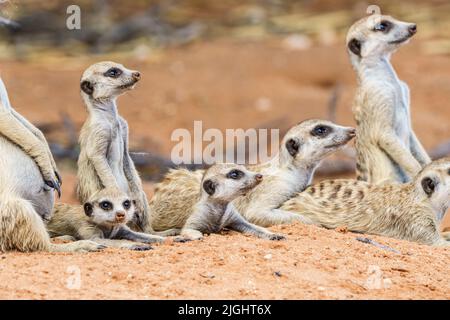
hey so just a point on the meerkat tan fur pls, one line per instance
(387, 148)
(26, 200)
(302, 149)
(104, 160)
(411, 211)
(102, 219)
(211, 209)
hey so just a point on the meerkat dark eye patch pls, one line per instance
(113, 73)
(106, 205)
(88, 209)
(235, 174)
(384, 26)
(293, 146)
(209, 186)
(126, 204)
(87, 87)
(354, 46)
(428, 185)
(321, 131)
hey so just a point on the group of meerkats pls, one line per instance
(399, 191)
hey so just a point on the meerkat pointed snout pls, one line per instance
(313, 140)
(226, 182)
(109, 208)
(376, 35)
(108, 80)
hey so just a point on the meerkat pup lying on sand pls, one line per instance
(104, 160)
(411, 211)
(102, 219)
(27, 176)
(302, 149)
(211, 209)
(387, 148)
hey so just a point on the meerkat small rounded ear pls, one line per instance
(355, 46)
(292, 146)
(209, 186)
(87, 87)
(428, 186)
(88, 209)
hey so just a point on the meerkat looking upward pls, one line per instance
(104, 160)
(102, 219)
(211, 209)
(26, 200)
(386, 146)
(302, 149)
(410, 211)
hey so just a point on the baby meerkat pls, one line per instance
(411, 211)
(102, 219)
(104, 160)
(302, 149)
(387, 148)
(211, 209)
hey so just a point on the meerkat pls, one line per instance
(387, 148)
(290, 171)
(26, 198)
(410, 211)
(211, 209)
(103, 219)
(104, 160)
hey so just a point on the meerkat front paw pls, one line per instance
(140, 247)
(276, 237)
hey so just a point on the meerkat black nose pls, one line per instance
(120, 215)
(259, 177)
(351, 132)
(136, 75)
(412, 29)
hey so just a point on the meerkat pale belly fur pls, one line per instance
(26, 201)
(102, 219)
(211, 209)
(302, 149)
(387, 148)
(410, 211)
(104, 160)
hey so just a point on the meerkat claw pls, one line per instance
(141, 248)
(54, 185)
(58, 178)
(277, 237)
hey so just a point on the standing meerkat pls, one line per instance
(211, 209)
(102, 219)
(386, 146)
(302, 149)
(26, 195)
(410, 211)
(104, 160)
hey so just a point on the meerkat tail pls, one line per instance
(21, 228)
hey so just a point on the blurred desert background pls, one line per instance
(231, 64)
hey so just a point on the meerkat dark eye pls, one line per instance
(383, 26)
(126, 204)
(106, 205)
(88, 209)
(113, 73)
(235, 174)
(321, 131)
(428, 185)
